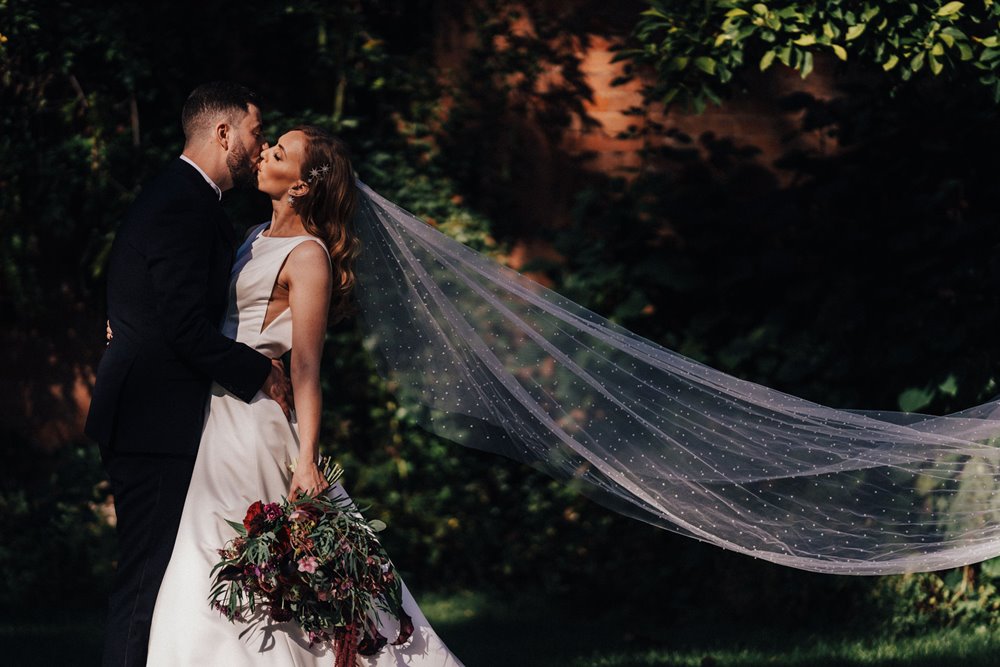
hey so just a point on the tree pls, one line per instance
(700, 48)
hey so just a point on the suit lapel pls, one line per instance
(205, 191)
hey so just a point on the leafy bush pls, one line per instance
(698, 48)
(968, 596)
(58, 546)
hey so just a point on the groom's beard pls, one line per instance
(241, 168)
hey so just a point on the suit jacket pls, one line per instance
(168, 282)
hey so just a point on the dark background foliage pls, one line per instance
(863, 277)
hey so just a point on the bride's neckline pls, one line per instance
(267, 226)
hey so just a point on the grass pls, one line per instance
(487, 630)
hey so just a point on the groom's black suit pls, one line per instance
(168, 279)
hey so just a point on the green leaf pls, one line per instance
(736, 11)
(766, 60)
(699, 104)
(855, 31)
(705, 64)
(937, 49)
(840, 51)
(918, 61)
(965, 51)
(950, 8)
(760, 8)
(807, 64)
(238, 527)
(805, 40)
(710, 94)
(912, 400)
(935, 64)
(890, 63)
(949, 387)
(992, 41)
(991, 568)
(655, 12)
(376, 525)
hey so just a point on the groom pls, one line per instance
(168, 280)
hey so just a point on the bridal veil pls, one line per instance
(487, 358)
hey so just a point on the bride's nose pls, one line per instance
(263, 150)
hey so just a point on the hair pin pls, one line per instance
(316, 172)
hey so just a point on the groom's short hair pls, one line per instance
(210, 100)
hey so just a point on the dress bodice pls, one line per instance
(255, 271)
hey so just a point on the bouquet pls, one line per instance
(315, 561)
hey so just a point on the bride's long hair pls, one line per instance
(327, 210)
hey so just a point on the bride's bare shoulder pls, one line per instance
(309, 257)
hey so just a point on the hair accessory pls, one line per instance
(317, 171)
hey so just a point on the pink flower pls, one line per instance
(272, 511)
(308, 564)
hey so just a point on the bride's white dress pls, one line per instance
(243, 457)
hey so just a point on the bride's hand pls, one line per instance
(307, 479)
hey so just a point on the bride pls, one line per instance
(289, 274)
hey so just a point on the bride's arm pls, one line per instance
(309, 282)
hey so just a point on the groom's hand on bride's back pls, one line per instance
(278, 388)
(276, 385)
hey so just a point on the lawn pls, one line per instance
(488, 630)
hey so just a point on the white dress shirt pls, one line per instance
(208, 180)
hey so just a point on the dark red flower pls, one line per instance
(281, 614)
(282, 542)
(254, 520)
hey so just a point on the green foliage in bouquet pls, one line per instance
(315, 561)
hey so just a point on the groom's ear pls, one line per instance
(222, 134)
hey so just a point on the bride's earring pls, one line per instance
(291, 200)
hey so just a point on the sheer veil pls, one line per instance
(490, 359)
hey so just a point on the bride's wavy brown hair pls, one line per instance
(327, 210)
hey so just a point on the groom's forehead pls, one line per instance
(253, 117)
